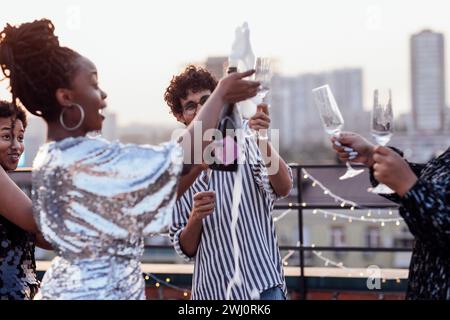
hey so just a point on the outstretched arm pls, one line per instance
(15, 205)
(17, 208)
(231, 89)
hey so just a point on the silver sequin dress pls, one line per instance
(94, 201)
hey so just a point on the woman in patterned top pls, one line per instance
(423, 193)
(17, 265)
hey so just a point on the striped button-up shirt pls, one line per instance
(260, 262)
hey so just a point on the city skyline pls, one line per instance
(138, 46)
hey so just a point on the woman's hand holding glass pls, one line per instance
(353, 147)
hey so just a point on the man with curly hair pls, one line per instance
(201, 226)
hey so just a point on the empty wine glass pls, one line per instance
(382, 127)
(332, 120)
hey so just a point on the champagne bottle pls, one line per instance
(228, 123)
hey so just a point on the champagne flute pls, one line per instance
(263, 75)
(332, 120)
(382, 119)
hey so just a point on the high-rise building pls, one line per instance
(428, 81)
(294, 113)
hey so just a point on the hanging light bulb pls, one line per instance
(342, 204)
(369, 213)
(157, 285)
(334, 218)
(185, 294)
(167, 279)
(305, 176)
(314, 211)
(397, 223)
(382, 223)
(314, 184)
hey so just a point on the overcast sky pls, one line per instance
(138, 45)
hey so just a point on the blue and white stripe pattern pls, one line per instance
(260, 260)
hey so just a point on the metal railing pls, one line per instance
(300, 206)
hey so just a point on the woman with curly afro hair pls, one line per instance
(93, 200)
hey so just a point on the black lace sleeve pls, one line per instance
(427, 211)
(426, 206)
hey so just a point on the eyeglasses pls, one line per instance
(190, 108)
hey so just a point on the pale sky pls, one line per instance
(138, 45)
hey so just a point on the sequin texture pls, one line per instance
(18, 280)
(94, 201)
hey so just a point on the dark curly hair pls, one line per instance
(192, 78)
(10, 110)
(36, 65)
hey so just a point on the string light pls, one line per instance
(166, 283)
(327, 191)
(288, 255)
(281, 216)
(343, 202)
(362, 218)
(331, 263)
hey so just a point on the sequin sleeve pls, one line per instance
(136, 182)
